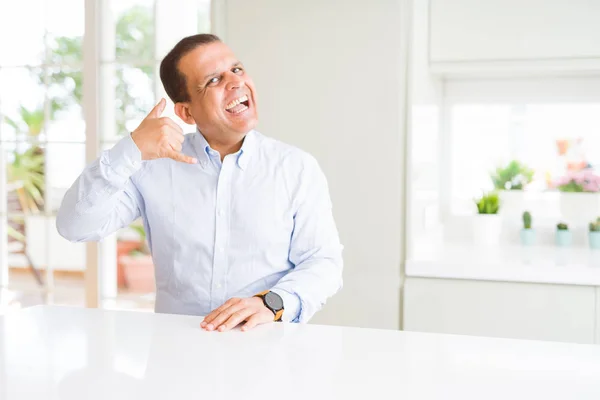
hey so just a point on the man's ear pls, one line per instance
(183, 111)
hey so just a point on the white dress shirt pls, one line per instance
(261, 219)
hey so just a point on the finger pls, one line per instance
(236, 318)
(175, 144)
(175, 155)
(213, 314)
(168, 121)
(158, 109)
(225, 314)
(255, 320)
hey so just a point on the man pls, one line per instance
(239, 225)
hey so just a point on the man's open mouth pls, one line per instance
(238, 105)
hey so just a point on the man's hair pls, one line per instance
(172, 79)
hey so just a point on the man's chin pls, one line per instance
(243, 128)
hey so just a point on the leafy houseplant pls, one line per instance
(487, 224)
(579, 196)
(488, 203)
(514, 176)
(594, 234)
(563, 235)
(527, 233)
(26, 174)
(578, 182)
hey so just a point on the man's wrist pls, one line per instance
(124, 157)
(291, 304)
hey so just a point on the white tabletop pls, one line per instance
(75, 353)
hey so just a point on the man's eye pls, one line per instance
(213, 80)
(236, 70)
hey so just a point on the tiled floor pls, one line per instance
(23, 291)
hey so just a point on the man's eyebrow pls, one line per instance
(235, 64)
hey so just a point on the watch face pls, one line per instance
(273, 301)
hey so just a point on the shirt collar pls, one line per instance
(203, 149)
(247, 150)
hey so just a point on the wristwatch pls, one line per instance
(273, 302)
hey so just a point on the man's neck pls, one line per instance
(225, 144)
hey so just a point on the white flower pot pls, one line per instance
(487, 229)
(579, 209)
(512, 203)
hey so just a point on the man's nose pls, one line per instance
(235, 82)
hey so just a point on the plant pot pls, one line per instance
(527, 237)
(512, 204)
(487, 229)
(124, 247)
(139, 273)
(563, 238)
(594, 240)
(579, 208)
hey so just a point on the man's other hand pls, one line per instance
(235, 311)
(160, 137)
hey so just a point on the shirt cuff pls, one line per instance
(124, 157)
(291, 305)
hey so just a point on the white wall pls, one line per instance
(330, 79)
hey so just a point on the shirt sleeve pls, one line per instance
(315, 249)
(103, 199)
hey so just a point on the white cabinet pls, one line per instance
(565, 313)
(598, 315)
(503, 33)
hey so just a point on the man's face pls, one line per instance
(222, 95)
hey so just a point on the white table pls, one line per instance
(75, 353)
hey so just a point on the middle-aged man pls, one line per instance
(240, 225)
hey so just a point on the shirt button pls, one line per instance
(220, 212)
(219, 286)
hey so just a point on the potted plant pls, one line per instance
(137, 265)
(563, 235)
(594, 234)
(514, 176)
(510, 181)
(487, 225)
(527, 233)
(579, 196)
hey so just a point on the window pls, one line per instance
(550, 126)
(43, 131)
(470, 127)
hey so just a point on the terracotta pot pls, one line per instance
(139, 273)
(124, 247)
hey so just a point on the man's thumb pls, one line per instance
(158, 109)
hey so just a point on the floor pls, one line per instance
(23, 291)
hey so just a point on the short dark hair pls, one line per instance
(172, 79)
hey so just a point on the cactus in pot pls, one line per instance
(527, 233)
(594, 234)
(563, 235)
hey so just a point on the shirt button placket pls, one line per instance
(221, 235)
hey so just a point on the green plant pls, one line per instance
(595, 225)
(27, 173)
(527, 220)
(15, 234)
(514, 176)
(143, 247)
(488, 203)
(562, 226)
(134, 40)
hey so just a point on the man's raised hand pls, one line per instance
(160, 137)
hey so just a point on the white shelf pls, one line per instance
(569, 266)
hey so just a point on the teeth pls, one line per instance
(236, 102)
(239, 111)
